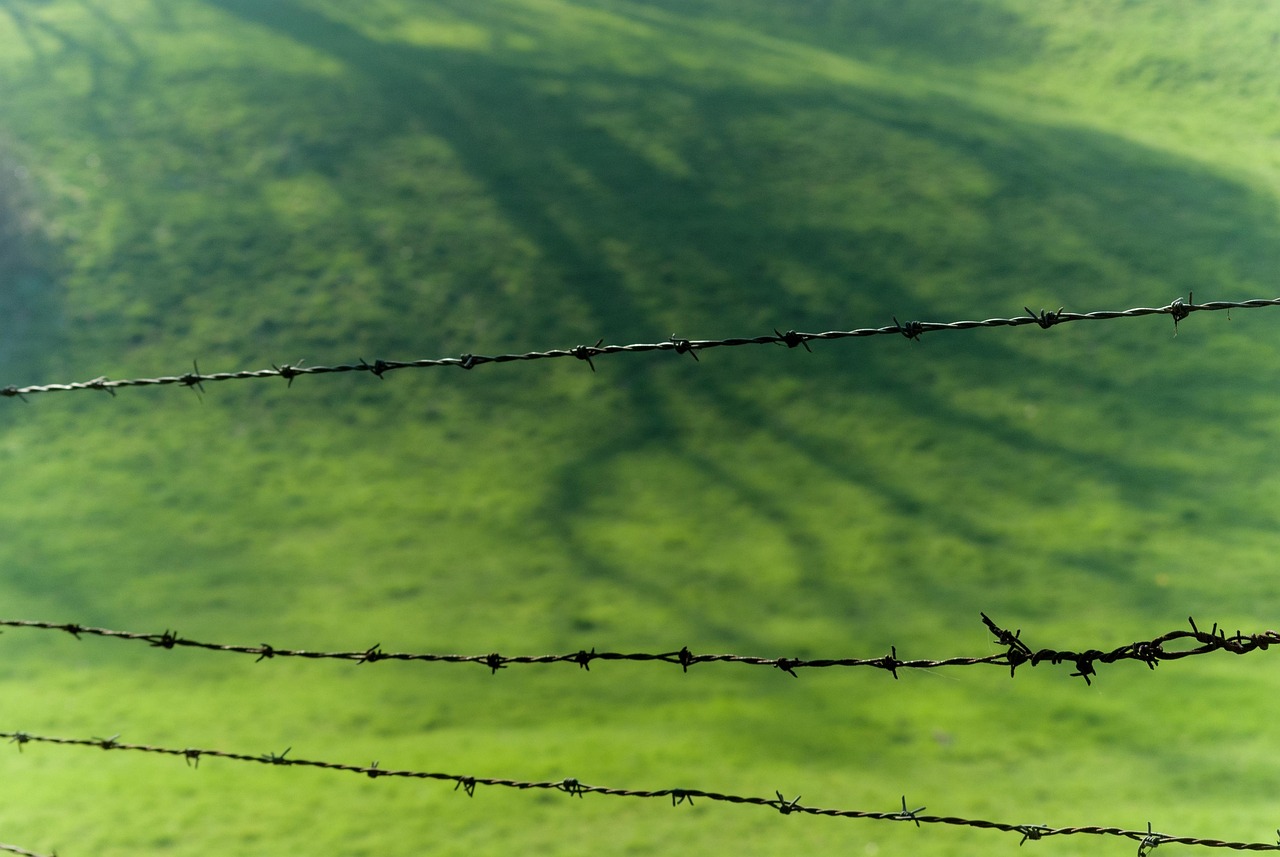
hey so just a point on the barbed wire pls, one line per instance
(1017, 653)
(1146, 840)
(14, 849)
(195, 379)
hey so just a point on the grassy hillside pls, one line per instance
(242, 183)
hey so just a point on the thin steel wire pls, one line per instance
(1147, 839)
(1017, 653)
(14, 849)
(195, 379)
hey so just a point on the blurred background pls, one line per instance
(240, 183)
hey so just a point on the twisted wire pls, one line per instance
(1177, 309)
(14, 849)
(1016, 654)
(1147, 839)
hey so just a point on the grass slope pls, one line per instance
(242, 183)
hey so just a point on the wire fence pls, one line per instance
(195, 380)
(1017, 653)
(1146, 839)
(1172, 645)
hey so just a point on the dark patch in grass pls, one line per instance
(964, 33)
(985, 210)
(943, 209)
(31, 312)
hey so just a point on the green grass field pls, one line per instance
(243, 183)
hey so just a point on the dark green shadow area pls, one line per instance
(32, 316)
(944, 210)
(964, 33)
(666, 201)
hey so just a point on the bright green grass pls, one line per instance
(242, 183)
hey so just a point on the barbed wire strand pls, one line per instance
(195, 379)
(1147, 839)
(1017, 653)
(14, 849)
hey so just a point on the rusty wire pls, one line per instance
(1146, 839)
(195, 379)
(1017, 653)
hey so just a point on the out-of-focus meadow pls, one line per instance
(239, 183)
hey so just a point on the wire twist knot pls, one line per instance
(911, 330)
(586, 352)
(683, 346)
(1045, 319)
(908, 814)
(784, 806)
(791, 339)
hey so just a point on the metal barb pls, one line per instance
(784, 806)
(1149, 842)
(167, 640)
(1045, 319)
(890, 662)
(791, 339)
(1018, 652)
(586, 352)
(377, 368)
(683, 346)
(1179, 310)
(194, 380)
(911, 330)
(280, 759)
(289, 371)
(686, 658)
(100, 383)
(1033, 832)
(909, 814)
(1084, 668)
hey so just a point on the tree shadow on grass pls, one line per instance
(31, 311)
(703, 242)
(964, 33)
